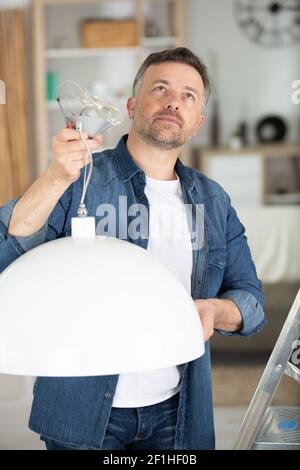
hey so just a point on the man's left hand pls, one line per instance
(222, 314)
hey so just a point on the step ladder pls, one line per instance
(277, 428)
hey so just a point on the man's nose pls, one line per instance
(172, 103)
(172, 106)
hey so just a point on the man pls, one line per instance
(161, 409)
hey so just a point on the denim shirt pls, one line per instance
(76, 410)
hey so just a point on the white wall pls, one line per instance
(250, 76)
(14, 3)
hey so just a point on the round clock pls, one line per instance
(269, 23)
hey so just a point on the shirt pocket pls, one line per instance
(216, 265)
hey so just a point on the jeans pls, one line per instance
(148, 427)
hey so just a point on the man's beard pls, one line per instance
(152, 135)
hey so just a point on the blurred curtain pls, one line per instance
(13, 115)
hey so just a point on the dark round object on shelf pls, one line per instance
(271, 129)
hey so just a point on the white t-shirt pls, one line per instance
(170, 243)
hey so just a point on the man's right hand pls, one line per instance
(33, 209)
(70, 155)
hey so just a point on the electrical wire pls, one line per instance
(82, 211)
(108, 113)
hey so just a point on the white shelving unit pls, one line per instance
(80, 53)
(57, 48)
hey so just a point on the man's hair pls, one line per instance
(181, 55)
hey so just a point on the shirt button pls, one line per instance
(107, 395)
(143, 236)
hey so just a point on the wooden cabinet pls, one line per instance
(254, 176)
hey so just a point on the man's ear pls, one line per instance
(131, 107)
(198, 125)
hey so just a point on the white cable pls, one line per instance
(86, 179)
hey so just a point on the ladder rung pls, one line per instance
(292, 371)
(280, 429)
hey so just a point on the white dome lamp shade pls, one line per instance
(88, 305)
(94, 306)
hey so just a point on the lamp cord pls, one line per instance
(82, 210)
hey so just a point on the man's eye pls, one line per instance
(190, 97)
(160, 88)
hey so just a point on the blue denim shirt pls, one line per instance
(76, 410)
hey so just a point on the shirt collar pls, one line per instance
(125, 161)
(129, 168)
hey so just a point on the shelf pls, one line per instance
(85, 52)
(75, 104)
(278, 199)
(280, 150)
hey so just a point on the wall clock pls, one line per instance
(269, 23)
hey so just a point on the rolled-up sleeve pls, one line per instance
(240, 283)
(25, 243)
(12, 247)
(252, 312)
